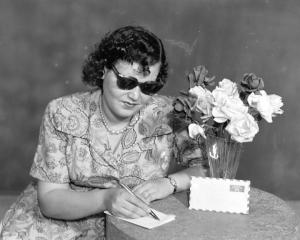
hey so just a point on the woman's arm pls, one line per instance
(56, 198)
(161, 187)
(61, 202)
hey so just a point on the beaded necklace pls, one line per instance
(132, 122)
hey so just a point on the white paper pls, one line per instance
(221, 195)
(148, 221)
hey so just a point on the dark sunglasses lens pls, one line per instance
(151, 88)
(126, 83)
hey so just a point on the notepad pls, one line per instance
(148, 221)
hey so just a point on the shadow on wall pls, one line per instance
(43, 45)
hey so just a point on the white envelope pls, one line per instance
(221, 195)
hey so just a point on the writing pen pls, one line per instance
(132, 193)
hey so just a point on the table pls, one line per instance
(269, 218)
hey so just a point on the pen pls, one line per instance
(129, 191)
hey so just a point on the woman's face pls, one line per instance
(119, 105)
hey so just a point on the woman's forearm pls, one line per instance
(183, 177)
(68, 204)
(160, 188)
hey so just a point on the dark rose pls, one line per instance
(183, 106)
(251, 83)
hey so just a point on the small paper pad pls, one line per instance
(148, 221)
(220, 195)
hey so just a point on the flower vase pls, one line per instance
(223, 156)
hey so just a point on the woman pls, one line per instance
(91, 141)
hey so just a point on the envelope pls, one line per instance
(220, 195)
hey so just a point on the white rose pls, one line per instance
(227, 107)
(243, 129)
(195, 130)
(228, 88)
(197, 91)
(276, 102)
(204, 99)
(266, 105)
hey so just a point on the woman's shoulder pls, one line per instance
(74, 100)
(161, 102)
(155, 116)
(71, 113)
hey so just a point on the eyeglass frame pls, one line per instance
(135, 82)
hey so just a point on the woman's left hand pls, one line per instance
(153, 189)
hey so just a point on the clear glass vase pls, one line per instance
(223, 156)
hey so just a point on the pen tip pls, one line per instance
(154, 215)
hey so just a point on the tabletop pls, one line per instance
(269, 218)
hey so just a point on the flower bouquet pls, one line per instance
(223, 118)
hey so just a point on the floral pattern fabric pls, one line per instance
(75, 148)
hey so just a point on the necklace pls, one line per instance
(132, 122)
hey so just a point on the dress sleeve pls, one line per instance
(49, 162)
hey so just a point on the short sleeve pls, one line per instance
(49, 162)
(189, 152)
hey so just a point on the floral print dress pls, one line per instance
(74, 147)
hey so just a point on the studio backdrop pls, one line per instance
(43, 45)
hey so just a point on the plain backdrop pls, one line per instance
(43, 44)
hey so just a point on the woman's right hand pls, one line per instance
(122, 204)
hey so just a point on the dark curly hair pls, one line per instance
(131, 44)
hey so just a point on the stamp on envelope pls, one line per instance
(236, 188)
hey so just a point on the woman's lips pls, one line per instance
(130, 104)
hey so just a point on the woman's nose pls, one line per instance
(134, 93)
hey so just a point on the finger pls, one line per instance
(127, 207)
(125, 213)
(134, 209)
(124, 200)
(132, 214)
(141, 194)
(146, 196)
(147, 192)
(138, 201)
(136, 188)
(143, 188)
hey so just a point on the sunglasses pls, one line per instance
(128, 83)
